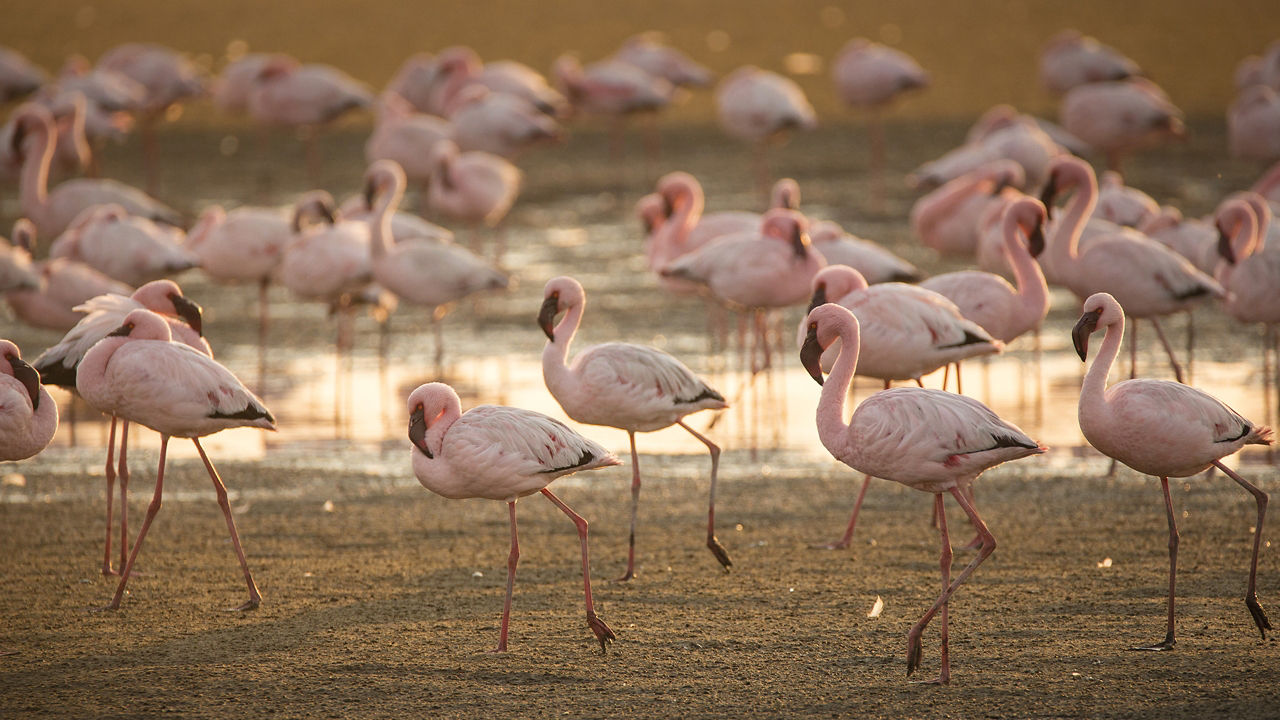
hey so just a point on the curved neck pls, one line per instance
(674, 232)
(33, 184)
(1095, 380)
(830, 416)
(556, 354)
(1027, 275)
(381, 236)
(1066, 235)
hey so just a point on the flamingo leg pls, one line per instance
(944, 562)
(1173, 361)
(959, 387)
(988, 547)
(123, 476)
(713, 543)
(513, 559)
(635, 504)
(111, 489)
(1191, 344)
(1133, 347)
(255, 598)
(602, 631)
(875, 129)
(264, 312)
(1251, 596)
(1267, 335)
(946, 375)
(1168, 642)
(844, 541)
(152, 509)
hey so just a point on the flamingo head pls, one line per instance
(418, 429)
(189, 310)
(1099, 309)
(560, 294)
(547, 314)
(823, 326)
(24, 373)
(1085, 326)
(1224, 244)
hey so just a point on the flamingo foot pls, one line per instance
(940, 680)
(722, 555)
(1259, 615)
(628, 576)
(251, 604)
(502, 647)
(1166, 644)
(914, 651)
(603, 633)
(108, 571)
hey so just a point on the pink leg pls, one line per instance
(598, 626)
(713, 543)
(635, 504)
(254, 598)
(988, 547)
(1251, 596)
(1191, 345)
(1168, 349)
(1133, 347)
(123, 476)
(150, 156)
(1168, 642)
(843, 542)
(946, 375)
(1268, 409)
(959, 387)
(944, 561)
(513, 559)
(152, 509)
(111, 490)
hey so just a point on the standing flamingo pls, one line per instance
(650, 52)
(929, 440)
(497, 122)
(501, 453)
(59, 365)
(139, 374)
(1162, 428)
(1020, 140)
(1123, 204)
(64, 284)
(1118, 117)
(759, 106)
(129, 248)
(16, 269)
(28, 415)
(406, 136)
(242, 245)
(1253, 124)
(613, 88)
(947, 218)
(635, 388)
(477, 188)
(1071, 59)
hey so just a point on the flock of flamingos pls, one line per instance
(450, 126)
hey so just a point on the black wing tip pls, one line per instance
(969, 339)
(706, 394)
(252, 412)
(586, 459)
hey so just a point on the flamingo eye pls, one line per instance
(813, 325)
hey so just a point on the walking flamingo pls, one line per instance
(929, 440)
(59, 365)
(635, 388)
(53, 210)
(1165, 429)
(758, 106)
(28, 415)
(501, 453)
(139, 374)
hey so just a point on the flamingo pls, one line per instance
(404, 225)
(128, 248)
(139, 374)
(616, 89)
(28, 415)
(1118, 117)
(16, 269)
(243, 245)
(53, 210)
(908, 332)
(477, 188)
(72, 151)
(63, 284)
(1195, 239)
(876, 264)
(497, 122)
(420, 270)
(1147, 278)
(1123, 204)
(516, 78)
(501, 453)
(406, 136)
(109, 89)
(771, 267)
(1165, 429)
(947, 218)
(929, 440)
(1261, 69)
(871, 76)
(59, 365)
(650, 52)
(1002, 115)
(230, 92)
(1253, 124)
(757, 106)
(415, 80)
(1071, 59)
(19, 77)
(1020, 140)
(636, 388)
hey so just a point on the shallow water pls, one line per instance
(575, 218)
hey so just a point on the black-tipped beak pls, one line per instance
(1085, 326)
(122, 331)
(19, 135)
(1049, 194)
(418, 431)
(668, 209)
(648, 225)
(370, 194)
(799, 242)
(27, 375)
(547, 315)
(189, 311)
(819, 297)
(811, 353)
(1224, 247)
(1035, 241)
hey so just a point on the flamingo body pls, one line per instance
(28, 415)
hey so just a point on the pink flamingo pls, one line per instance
(1148, 279)
(139, 374)
(1116, 118)
(243, 245)
(871, 76)
(406, 136)
(613, 88)
(497, 122)
(1000, 116)
(1020, 140)
(929, 440)
(1261, 69)
(230, 92)
(166, 77)
(63, 284)
(420, 270)
(1253, 124)
(1162, 428)
(106, 88)
(1123, 204)
(53, 210)
(516, 78)
(947, 218)
(907, 332)
(477, 188)
(635, 388)
(72, 151)
(501, 453)
(19, 76)
(1071, 59)
(759, 106)
(129, 248)
(1195, 239)
(59, 365)
(16, 269)
(771, 267)
(404, 225)
(873, 262)
(650, 52)
(415, 81)
(28, 415)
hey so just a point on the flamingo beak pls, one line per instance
(189, 311)
(1085, 326)
(668, 209)
(418, 431)
(547, 315)
(27, 375)
(122, 331)
(1049, 194)
(1224, 247)
(1035, 241)
(648, 224)
(370, 194)
(819, 297)
(799, 242)
(811, 353)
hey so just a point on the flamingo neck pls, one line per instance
(674, 233)
(1027, 275)
(381, 237)
(1095, 380)
(832, 428)
(34, 182)
(555, 355)
(1065, 240)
